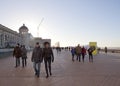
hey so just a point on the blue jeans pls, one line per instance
(37, 68)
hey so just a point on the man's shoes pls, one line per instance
(35, 74)
(16, 66)
(38, 75)
(47, 76)
(50, 74)
(73, 60)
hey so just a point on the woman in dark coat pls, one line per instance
(48, 58)
(24, 56)
(17, 54)
(83, 53)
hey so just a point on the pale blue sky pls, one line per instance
(68, 21)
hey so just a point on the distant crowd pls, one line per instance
(82, 51)
(78, 52)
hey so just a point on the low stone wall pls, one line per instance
(112, 50)
(8, 52)
(5, 52)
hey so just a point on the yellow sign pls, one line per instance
(94, 46)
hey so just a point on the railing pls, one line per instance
(111, 50)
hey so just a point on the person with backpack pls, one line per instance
(73, 53)
(48, 58)
(17, 54)
(24, 56)
(37, 59)
(78, 52)
(83, 53)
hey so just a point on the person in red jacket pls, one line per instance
(83, 53)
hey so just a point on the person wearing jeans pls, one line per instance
(37, 59)
(37, 68)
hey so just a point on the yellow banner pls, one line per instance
(94, 46)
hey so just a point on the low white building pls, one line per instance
(41, 41)
(29, 40)
(9, 38)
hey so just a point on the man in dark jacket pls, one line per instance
(37, 59)
(90, 51)
(17, 54)
(106, 50)
(48, 58)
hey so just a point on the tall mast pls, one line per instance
(39, 27)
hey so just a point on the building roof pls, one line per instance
(8, 29)
(23, 28)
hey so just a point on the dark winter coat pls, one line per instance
(83, 51)
(78, 50)
(17, 52)
(37, 55)
(73, 51)
(48, 54)
(24, 52)
(90, 51)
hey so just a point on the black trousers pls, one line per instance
(17, 62)
(48, 66)
(73, 57)
(90, 57)
(24, 62)
(83, 57)
(79, 57)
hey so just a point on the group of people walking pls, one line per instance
(38, 55)
(20, 52)
(81, 51)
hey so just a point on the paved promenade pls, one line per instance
(105, 71)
